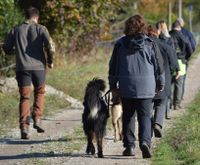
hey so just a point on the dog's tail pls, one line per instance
(93, 94)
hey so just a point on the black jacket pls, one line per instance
(182, 45)
(170, 65)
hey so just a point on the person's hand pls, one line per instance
(177, 75)
(50, 66)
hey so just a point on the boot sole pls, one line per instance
(39, 130)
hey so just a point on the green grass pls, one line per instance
(8, 112)
(73, 76)
(181, 145)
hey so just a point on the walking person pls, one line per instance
(183, 52)
(30, 39)
(189, 36)
(165, 38)
(133, 69)
(161, 98)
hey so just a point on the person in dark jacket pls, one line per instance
(189, 36)
(134, 70)
(30, 39)
(165, 38)
(183, 51)
(170, 65)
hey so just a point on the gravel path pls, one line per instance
(14, 151)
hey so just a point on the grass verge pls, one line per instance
(181, 145)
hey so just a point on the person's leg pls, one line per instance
(128, 119)
(38, 79)
(144, 111)
(24, 83)
(178, 92)
(172, 92)
(160, 111)
(160, 108)
(184, 83)
(168, 111)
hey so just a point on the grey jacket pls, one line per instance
(133, 66)
(29, 40)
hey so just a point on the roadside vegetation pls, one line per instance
(181, 145)
(72, 77)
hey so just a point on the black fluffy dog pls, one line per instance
(95, 115)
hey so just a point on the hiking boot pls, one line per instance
(129, 151)
(25, 133)
(38, 126)
(146, 153)
(157, 131)
(177, 107)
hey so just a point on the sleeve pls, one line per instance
(158, 63)
(49, 45)
(114, 68)
(192, 41)
(189, 50)
(173, 61)
(8, 45)
(158, 58)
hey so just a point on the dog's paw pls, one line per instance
(90, 149)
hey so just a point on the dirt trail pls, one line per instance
(14, 151)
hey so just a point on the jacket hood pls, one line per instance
(136, 43)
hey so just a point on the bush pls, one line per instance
(76, 24)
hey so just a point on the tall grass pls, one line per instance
(73, 76)
(182, 145)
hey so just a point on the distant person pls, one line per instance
(183, 52)
(133, 69)
(30, 39)
(170, 65)
(165, 38)
(189, 36)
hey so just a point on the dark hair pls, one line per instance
(31, 12)
(176, 24)
(152, 31)
(134, 25)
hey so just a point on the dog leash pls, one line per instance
(107, 98)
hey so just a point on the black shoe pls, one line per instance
(129, 151)
(146, 153)
(37, 125)
(25, 133)
(157, 131)
(177, 107)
